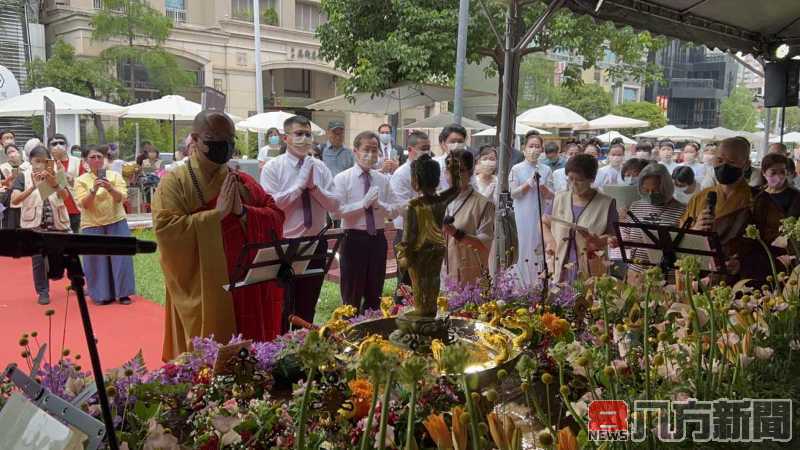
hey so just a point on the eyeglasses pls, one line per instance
(54, 143)
(301, 134)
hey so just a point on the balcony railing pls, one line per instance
(177, 15)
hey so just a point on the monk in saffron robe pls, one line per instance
(203, 214)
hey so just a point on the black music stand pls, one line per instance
(285, 261)
(668, 240)
(62, 251)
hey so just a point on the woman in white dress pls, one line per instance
(485, 173)
(528, 196)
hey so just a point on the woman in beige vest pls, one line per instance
(45, 214)
(468, 228)
(578, 251)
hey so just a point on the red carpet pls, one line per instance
(121, 331)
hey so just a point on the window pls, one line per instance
(243, 10)
(297, 83)
(176, 10)
(241, 58)
(308, 16)
(630, 94)
(218, 84)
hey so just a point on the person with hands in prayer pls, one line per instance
(366, 201)
(203, 215)
(302, 187)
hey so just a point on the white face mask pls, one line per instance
(615, 160)
(302, 141)
(643, 155)
(419, 153)
(385, 138)
(689, 158)
(456, 146)
(367, 159)
(488, 165)
(708, 159)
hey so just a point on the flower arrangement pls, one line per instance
(599, 340)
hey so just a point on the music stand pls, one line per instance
(62, 251)
(669, 240)
(285, 261)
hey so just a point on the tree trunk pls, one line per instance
(101, 128)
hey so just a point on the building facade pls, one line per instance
(214, 41)
(696, 81)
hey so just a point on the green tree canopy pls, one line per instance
(737, 111)
(382, 42)
(643, 111)
(589, 100)
(143, 29)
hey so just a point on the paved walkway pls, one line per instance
(121, 331)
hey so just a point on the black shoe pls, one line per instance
(44, 299)
(103, 302)
(125, 301)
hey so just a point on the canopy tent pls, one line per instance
(743, 26)
(32, 104)
(392, 100)
(612, 122)
(519, 130)
(793, 137)
(611, 135)
(552, 116)
(444, 119)
(273, 119)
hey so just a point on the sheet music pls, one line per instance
(624, 195)
(689, 242)
(569, 224)
(271, 272)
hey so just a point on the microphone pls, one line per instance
(711, 202)
(20, 243)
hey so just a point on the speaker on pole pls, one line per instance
(782, 83)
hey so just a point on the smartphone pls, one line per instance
(51, 166)
(101, 173)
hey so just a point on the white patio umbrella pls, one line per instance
(724, 133)
(673, 132)
(793, 137)
(519, 130)
(612, 122)
(552, 116)
(32, 104)
(168, 107)
(611, 135)
(392, 100)
(444, 119)
(273, 119)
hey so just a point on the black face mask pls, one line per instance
(219, 152)
(727, 174)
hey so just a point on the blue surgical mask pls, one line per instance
(274, 140)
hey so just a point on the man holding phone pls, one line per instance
(72, 168)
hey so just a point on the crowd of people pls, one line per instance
(565, 203)
(44, 187)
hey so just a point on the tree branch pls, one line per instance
(491, 23)
(529, 50)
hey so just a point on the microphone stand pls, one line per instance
(546, 279)
(75, 274)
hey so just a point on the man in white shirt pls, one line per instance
(611, 173)
(302, 186)
(389, 158)
(400, 184)
(365, 203)
(560, 176)
(452, 137)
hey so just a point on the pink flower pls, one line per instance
(231, 406)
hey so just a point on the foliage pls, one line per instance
(536, 87)
(737, 111)
(143, 29)
(589, 100)
(642, 110)
(87, 77)
(384, 42)
(270, 17)
(791, 120)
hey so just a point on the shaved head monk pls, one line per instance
(203, 214)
